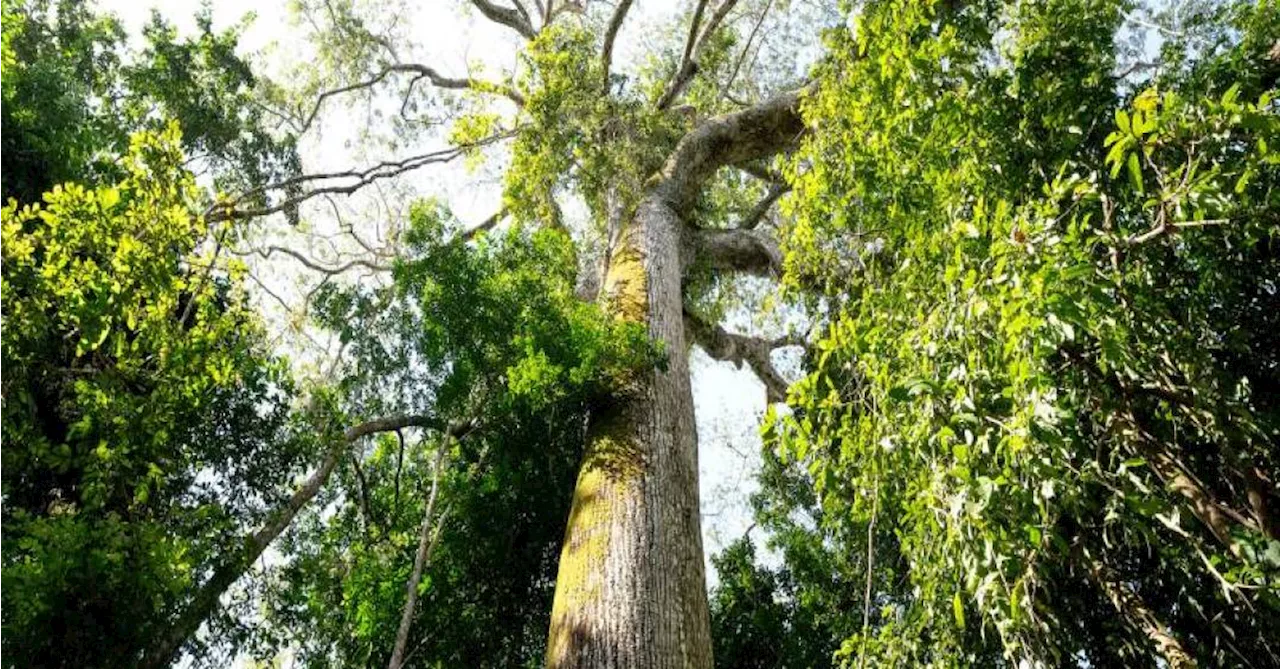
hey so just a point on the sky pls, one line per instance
(729, 401)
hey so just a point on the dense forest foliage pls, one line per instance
(1026, 254)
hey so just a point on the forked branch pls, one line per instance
(693, 51)
(721, 344)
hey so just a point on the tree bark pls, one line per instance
(631, 592)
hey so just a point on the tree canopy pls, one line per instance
(1022, 256)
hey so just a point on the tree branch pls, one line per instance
(312, 265)
(751, 134)
(167, 643)
(746, 251)
(1131, 605)
(507, 16)
(484, 226)
(422, 71)
(227, 209)
(753, 217)
(720, 344)
(693, 51)
(610, 34)
(425, 543)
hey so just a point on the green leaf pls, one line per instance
(957, 607)
(1135, 173)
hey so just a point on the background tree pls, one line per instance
(73, 95)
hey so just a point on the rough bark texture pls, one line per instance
(631, 592)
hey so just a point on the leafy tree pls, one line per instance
(499, 343)
(1049, 366)
(644, 152)
(761, 618)
(73, 95)
(145, 425)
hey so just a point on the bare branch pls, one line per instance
(420, 71)
(751, 38)
(695, 24)
(746, 251)
(226, 209)
(485, 225)
(753, 217)
(693, 52)
(267, 251)
(611, 34)
(523, 12)
(507, 16)
(723, 345)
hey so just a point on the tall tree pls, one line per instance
(646, 158)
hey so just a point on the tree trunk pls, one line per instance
(426, 541)
(631, 592)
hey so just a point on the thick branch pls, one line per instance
(611, 34)
(167, 643)
(507, 16)
(746, 251)
(724, 345)
(1130, 605)
(750, 134)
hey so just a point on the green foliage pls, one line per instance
(72, 96)
(757, 621)
(1052, 344)
(145, 429)
(494, 334)
(602, 145)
